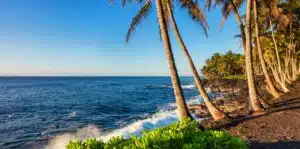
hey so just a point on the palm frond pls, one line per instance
(237, 36)
(227, 6)
(195, 13)
(276, 13)
(142, 14)
(208, 4)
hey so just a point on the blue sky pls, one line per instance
(87, 37)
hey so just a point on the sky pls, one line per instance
(87, 38)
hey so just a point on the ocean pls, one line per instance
(46, 112)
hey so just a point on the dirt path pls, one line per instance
(279, 128)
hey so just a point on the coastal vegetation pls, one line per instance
(228, 65)
(269, 32)
(181, 135)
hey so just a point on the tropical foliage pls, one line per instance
(224, 65)
(180, 135)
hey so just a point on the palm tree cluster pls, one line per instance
(276, 22)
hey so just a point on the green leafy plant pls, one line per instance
(180, 135)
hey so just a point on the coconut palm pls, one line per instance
(197, 15)
(254, 101)
(181, 104)
(214, 111)
(229, 6)
(271, 13)
(163, 27)
(271, 87)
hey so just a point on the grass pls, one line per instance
(180, 135)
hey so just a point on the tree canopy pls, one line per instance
(224, 65)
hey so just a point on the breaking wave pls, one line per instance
(190, 86)
(155, 121)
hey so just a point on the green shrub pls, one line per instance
(180, 135)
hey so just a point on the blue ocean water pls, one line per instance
(46, 112)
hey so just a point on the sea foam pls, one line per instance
(155, 121)
(189, 86)
(160, 119)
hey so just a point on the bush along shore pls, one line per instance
(181, 135)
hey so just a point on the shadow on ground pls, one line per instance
(275, 145)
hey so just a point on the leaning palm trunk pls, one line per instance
(255, 104)
(214, 111)
(294, 64)
(287, 61)
(239, 22)
(242, 30)
(275, 46)
(280, 75)
(180, 101)
(274, 70)
(271, 87)
(292, 47)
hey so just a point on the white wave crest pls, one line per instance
(157, 120)
(163, 118)
(72, 114)
(195, 100)
(60, 141)
(190, 86)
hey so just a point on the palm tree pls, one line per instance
(163, 26)
(271, 87)
(271, 12)
(229, 6)
(181, 104)
(255, 104)
(214, 111)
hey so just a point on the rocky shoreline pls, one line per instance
(278, 128)
(233, 93)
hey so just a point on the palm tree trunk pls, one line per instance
(272, 89)
(239, 22)
(214, 111)
(293, 54)
(281, 75)
(256, 106)
(275, 46)
(242, 30)
(180, 101)
(277, 78)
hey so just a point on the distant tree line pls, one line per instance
(224, 65)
